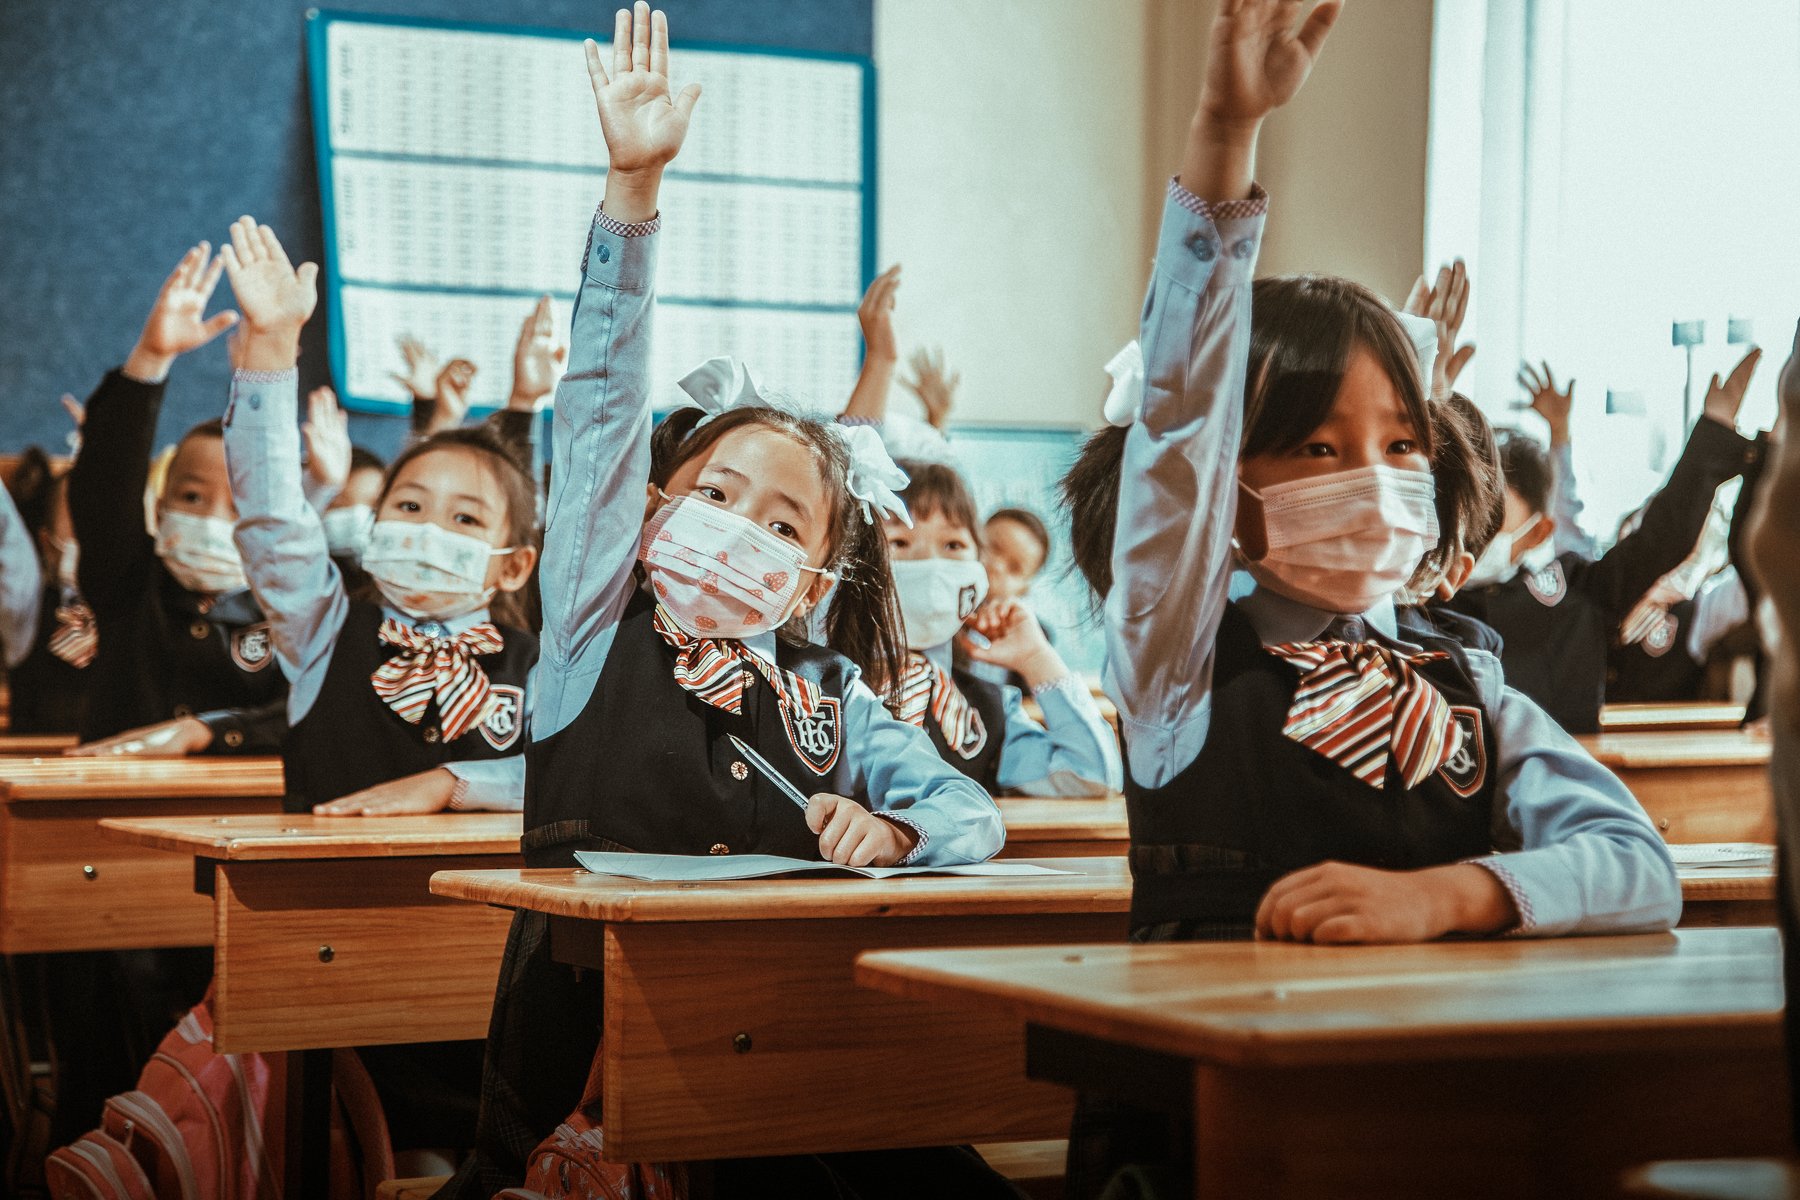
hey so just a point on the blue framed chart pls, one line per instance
(459, 168)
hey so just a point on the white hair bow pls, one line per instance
(1423, 332)
(1125, 402)
(875, 478)
(721, 384)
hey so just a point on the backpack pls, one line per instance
(208, 1126)
(568, 1164)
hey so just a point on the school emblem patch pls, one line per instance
(1548, 585)
(1466, 769)
(1661, 635)
(504, 716)
(817, 738)
(974, 736)
(251, 649)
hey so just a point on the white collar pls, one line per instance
(1277, 618)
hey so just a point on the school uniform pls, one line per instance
(1669, 662)
(1211, 670)
(49, 688)
(1558, 620)
(623, 694)
(981, 728)
(1417, 622)
(1758, 707)
(20, 586)
(164, 651)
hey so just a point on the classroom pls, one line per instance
(887, 599)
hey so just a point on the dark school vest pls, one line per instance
(180, 653)
(350, 739)
(48, 694)
(1556, 637)
(1255, 804)
(1416, 622)
(649, 767)
(989, 701)
(1657, 667)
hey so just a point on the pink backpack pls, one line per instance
(568, 1165)
(208, 1126)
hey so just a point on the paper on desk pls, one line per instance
(703, 867)
(1723, 854)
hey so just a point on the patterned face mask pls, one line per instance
(428, 572)
(718, 574)
(199, 552)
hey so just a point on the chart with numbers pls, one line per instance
(460, 166)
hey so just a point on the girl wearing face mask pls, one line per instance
(182, 662)
(977, 726)
(679, 574)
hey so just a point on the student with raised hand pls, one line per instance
(652, 660)
(977, 724)
(904, 436)
(1555, 405)
(184, 664)
(1559, 611)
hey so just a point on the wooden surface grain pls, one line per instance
(38, 779)
(1622, 718)
(35, 744)
(248, 837)
(1679, 748)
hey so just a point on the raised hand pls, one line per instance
(1446, 304)
(876, 316)
(537, 359)
(452, 394)
(422, 367)
(1549, 403)
(275, 296)
(1723, 400)
(643, 120)
(327, 435)
(1015, 641)
(178, 321)
(934, 384)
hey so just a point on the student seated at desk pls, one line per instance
(675, 582)
(49, 687)
(1295, 769)
(184, 663)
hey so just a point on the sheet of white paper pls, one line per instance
(700, 867)
(1723, 854)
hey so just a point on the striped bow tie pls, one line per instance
(440, 668)
(927, 687)
(1360, 704)
(75, 640)
(717, 670)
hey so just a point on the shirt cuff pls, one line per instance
(1071, 686)
(291, 375)
(627, 228)
(917, 828)
(1521, 902)
(459, 795)
(847, 419)
(1223, 210)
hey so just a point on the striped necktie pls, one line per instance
(1361, 704)
(927, 687)
(717, 670)
(441, 668)
(75, 640)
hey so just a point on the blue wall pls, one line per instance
(128, 131)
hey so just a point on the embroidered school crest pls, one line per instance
(504, 716)
(974, 735)
(1548, 585)
(1661, 635)
(251, 649)
(1466, 768)
(815, 738)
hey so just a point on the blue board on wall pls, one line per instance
(459, 165)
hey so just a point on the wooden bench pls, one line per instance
(1697, 786)
(1491, 1068)
(1670, 718)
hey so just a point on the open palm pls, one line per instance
(643, 120)
(178, 323)
(276, 297)
(1259, 58)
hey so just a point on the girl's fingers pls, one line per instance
(240, 240)
(640, 36)
(596, 72)
(228, 256)
(210, 279)
(1345, 929)
(271, 246)
(621, 62)
(218, 323)
(684, 103)
(659, 44)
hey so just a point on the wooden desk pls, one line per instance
(14, 745)
(1055, 827)
(63, 887)
(1490, 1069)
(1698, 786)
(1669, 718)
(732, 1025)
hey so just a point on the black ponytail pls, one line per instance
(1090, 493)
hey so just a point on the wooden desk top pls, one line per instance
(1619, 718)
(1099, 885)
(1685, 748)
(1726, 883)
(25, 779)
(264, 836)
(1268, 1004)
(1034, 819)
(39, 744)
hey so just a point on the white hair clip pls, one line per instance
(1423, 332)
(875, 478)
(1125, 402)
(721, 384)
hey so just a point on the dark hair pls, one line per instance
(1034, 525)
(1526, 468)
(516, 485)
(365, 460)
(863, 622)
(1303, 330)
(1468, 474)
(33, 488)
(213, 428)
(934, 488)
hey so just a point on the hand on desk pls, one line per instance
(427, 792)
(1336, 903)
(852, 836)
(166, 739)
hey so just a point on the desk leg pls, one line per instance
(308, 1134)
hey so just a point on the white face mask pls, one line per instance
(1496, 563)
(199, 552)
(1343, 541)
(347, 530)
(428, 572)
(719, 574)
(936, 596)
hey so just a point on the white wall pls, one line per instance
(1012, 184)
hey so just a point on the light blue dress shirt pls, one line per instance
(21, 585)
